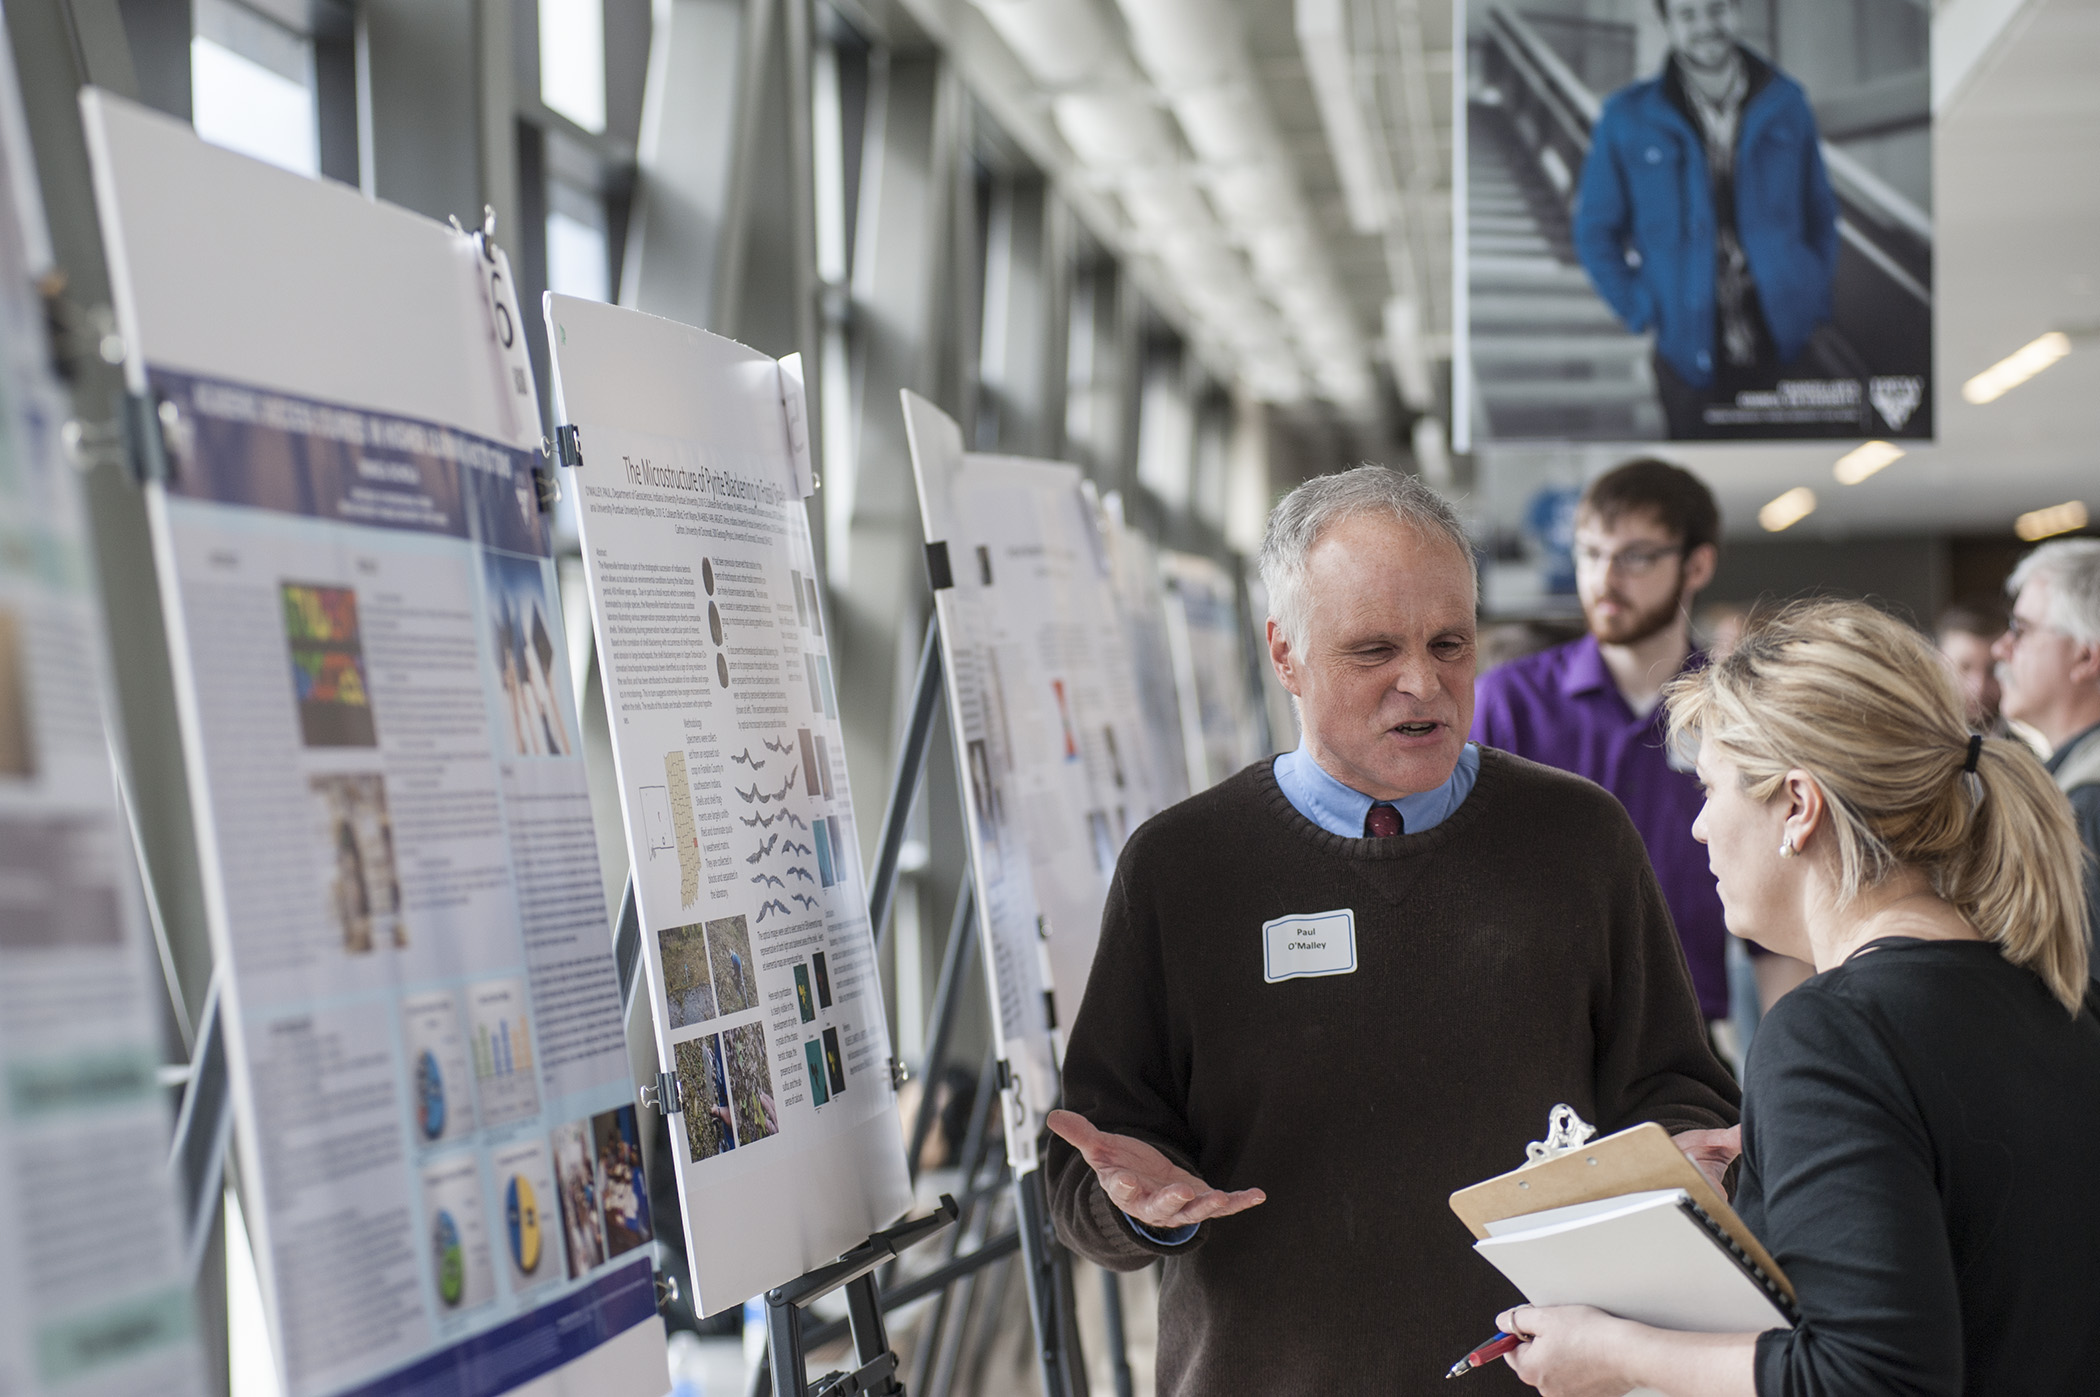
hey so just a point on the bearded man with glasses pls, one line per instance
(1647, 536)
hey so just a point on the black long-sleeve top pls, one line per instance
(1921, 1154)
(1517, 955)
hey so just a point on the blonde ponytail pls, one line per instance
(1862, 704)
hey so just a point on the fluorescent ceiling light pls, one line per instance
(1324, 44)
(1862, 461)
(1114, 132)
(2016, 368)
(1788, 509)
(1058, 43)
(2065, 518)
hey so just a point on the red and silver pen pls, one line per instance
(1487, 1353)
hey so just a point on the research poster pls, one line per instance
(1694, 220)
(1050, 723)
(1214, 676)
(94, 1286)
(716, 653)
(433, 1113)
(1140, 594)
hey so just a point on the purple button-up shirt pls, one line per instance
(1560, 707)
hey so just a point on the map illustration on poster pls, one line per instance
(1693, 220)
(713, 641)
(433, 1114)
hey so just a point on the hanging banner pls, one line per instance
(434, 1120)
(94, 1283)
(1693, 220)
(730, 751)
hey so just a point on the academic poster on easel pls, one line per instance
(433, 1116)
(94, 1285)
(689, 467)
(1050, 725)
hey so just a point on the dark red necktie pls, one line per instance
(1381, 822)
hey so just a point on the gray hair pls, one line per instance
(1302, 516)
(2071, 567)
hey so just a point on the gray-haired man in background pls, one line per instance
(1340, 985)
(2049, 675)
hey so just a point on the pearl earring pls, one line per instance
(1786, 847)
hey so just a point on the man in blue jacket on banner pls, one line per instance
(1705, 213)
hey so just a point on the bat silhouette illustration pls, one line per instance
(789, 784)
(757, 821)
(767, 878)
(769, 845)
(796, 820)
(798, 871)
(748, 760)
(746, 796)
(783, 746)
(773, 905)
(806, 900)
(791, 847)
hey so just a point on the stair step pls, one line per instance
(1612, 355)
(1557, 311)
(1563, 393)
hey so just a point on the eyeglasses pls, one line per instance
(2019, 628)
(1633, 561)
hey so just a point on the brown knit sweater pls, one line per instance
(1516, 955)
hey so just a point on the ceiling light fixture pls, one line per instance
(1862, 461)
(2065, 518)
(1788, 509)
(2016, 368)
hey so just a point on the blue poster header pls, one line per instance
(234, 444)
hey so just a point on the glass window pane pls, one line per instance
(579, 261)
(252, 83)
(572, 60)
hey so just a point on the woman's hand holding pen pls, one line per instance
(1144, 1183)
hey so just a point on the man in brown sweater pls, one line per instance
(1333, 989)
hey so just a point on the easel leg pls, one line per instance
(784, 1347)
(1118, 1351)
(1046, 1289)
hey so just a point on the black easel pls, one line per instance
(787, 1344)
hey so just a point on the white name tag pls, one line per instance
(1316, 943)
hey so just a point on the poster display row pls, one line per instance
(435, 1122)
(689, 473)
(94, 1285)
(1063, 754)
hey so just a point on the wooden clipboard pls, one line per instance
(1631, 1161)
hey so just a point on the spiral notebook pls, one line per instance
(1653, 1256)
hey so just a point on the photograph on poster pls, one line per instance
(822, 969)
(17, 752)
(704, 1088)
(805, 998)
(833, 1063)
(328, 666)
(729, 953)
(357, 837)
(813, 1060)
(576, 1186)
(750, 1083)
(523, 637)
(1698, 219)
(688, 984)
(622, 1192)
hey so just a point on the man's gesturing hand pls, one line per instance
(1144, 1183)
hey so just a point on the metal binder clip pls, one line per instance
(1566, 1132)
(568, 446)
(900, 1073)
(666, 1290)
(663, 1095)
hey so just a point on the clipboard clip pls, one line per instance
(1566, 1133)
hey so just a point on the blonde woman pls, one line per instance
(1921, 1120)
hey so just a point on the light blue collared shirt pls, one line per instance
(1341, 809)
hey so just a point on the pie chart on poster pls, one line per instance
(451, 1258)
(523, 1210)
(430, 1096)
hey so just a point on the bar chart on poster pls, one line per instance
(434, 1121)
(689, 467)
(1050, 724)
(94, 1286)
